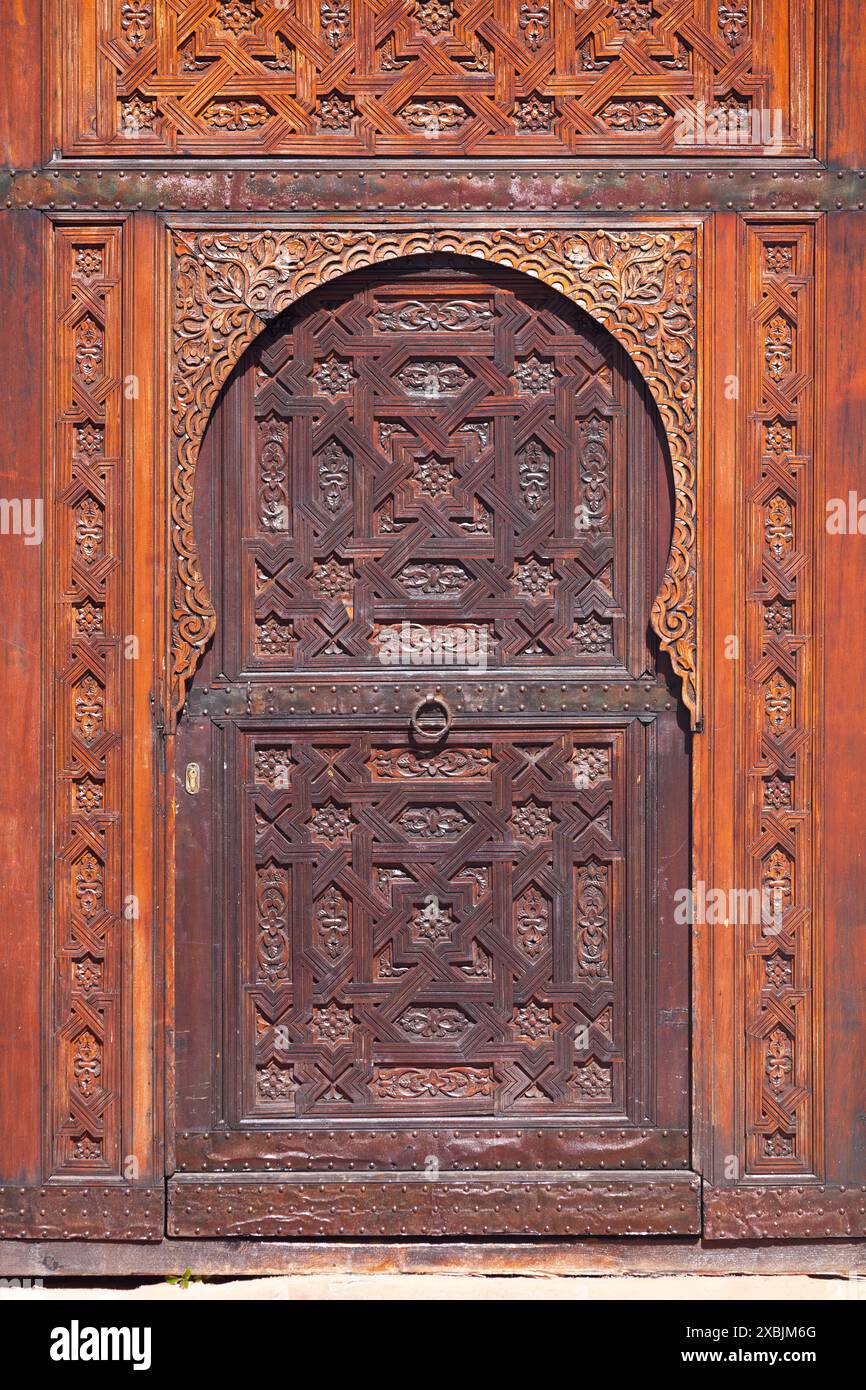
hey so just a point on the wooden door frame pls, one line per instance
(148, 326)
(226, 278)
(49, 190)
(777, 264)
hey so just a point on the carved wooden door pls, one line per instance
(432, 802)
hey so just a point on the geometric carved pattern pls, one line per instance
(528, 1034)
(780, 1037)
(416, 926)
(89, 630)
(639, 285)
(354, 77)
(534, 581)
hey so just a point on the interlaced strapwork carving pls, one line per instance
(416, 987)
(404, 987)
(86, 1120)
(779, 1027)
(431, 427)
(433, 920)
(495, 77)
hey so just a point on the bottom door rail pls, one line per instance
(452, 1204)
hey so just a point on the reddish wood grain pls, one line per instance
(426, 79)
(24, 86)
(843, 681)
(24, 675)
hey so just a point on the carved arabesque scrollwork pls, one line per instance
(640, 285)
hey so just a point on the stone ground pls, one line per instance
(462, 1287)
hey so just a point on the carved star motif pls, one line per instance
(533, 580)
(332, 1025)
(334, 377)
(533, 1023)
(332, 579)
(532, 821)
(534, 377)
(331, 822)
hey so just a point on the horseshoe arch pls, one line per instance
(226, 286)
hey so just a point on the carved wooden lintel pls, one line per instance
(640, 285)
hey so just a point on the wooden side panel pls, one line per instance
(842, 753)
(144, 765)
(21, 766)
(21, 90)
(781, 936)
(85, 1018)
(758, 808)
(841, 72)
(715, 752)
(97, 998)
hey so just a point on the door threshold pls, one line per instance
(64, 1259)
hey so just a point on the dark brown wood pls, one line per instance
(641, 285)
(451, 934)
(485, 1204)
(784, 1213)
(82, 1212)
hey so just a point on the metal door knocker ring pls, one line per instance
(431, 719)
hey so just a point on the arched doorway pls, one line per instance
(432, 803)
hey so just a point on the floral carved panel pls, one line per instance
(638, 284)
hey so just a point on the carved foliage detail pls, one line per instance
(273, 494)
(272, 924)
(594, 485)
(592, 925)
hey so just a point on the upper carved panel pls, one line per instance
(434, 467)
(444, 77)
(639, 284)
